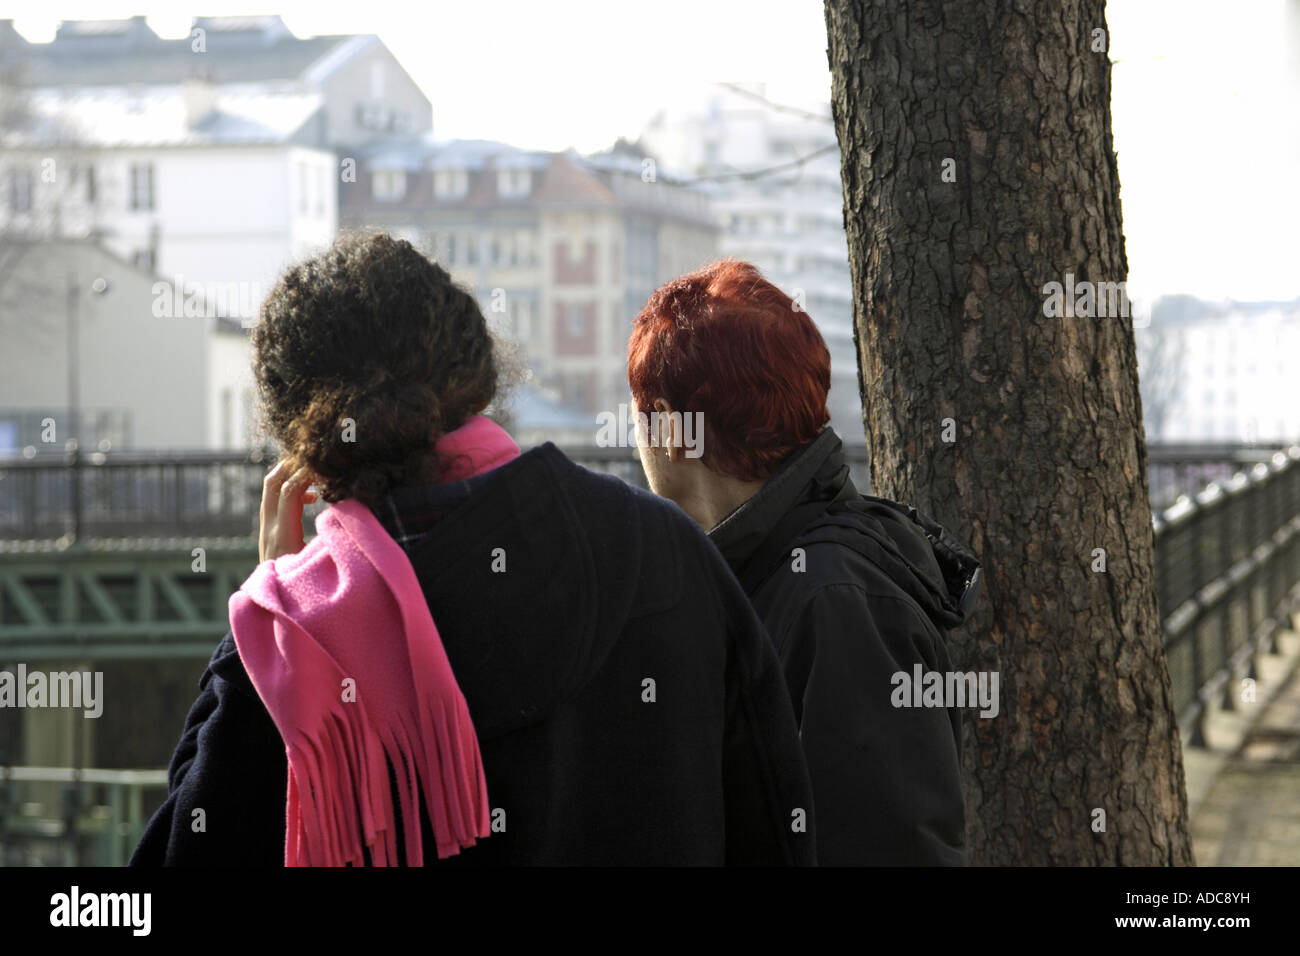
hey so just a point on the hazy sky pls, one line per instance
(1206, 99)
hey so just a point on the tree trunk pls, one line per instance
(1018, 428)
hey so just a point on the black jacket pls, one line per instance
(870, 594)
(605, 587)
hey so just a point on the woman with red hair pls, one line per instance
(853, 589)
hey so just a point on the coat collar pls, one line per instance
(815, 472)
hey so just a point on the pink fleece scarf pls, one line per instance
(340, 645)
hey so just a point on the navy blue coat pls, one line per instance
(854, 590)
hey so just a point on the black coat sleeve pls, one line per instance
(769, 799)
(887, 779)
(230, 763)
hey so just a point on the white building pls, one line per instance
(196, 182)
(364, 90)
(142, 379)
(211, 192)
(211, 161)
(789, 223)
(1229, 371)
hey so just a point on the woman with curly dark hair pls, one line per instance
(596, 688)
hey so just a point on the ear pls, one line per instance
(666, 424)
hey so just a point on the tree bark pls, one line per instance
(1043, 460)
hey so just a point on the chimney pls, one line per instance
(10, 39)
(199, 94)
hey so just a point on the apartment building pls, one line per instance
(561, 250)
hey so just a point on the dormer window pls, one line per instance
(450, 183)
(513, 183)
(388, 185)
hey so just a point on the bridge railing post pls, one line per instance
(1193, 524)
(72, 458)
(1232, 513)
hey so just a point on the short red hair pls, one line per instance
(725, 342)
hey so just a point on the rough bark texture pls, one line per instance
(1049, 461)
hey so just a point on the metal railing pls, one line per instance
(1227, 567)
(54, 816)
(77, 495)
(131, 494)
(1182, 468)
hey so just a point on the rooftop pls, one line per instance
(109, 117)
(126, 52)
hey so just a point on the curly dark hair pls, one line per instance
(372, 331)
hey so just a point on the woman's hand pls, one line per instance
(282, 502)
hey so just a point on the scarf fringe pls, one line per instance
(437, 766)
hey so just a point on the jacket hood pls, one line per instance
(917, 553)
(913, 550)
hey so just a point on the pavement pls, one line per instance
(1243, 789)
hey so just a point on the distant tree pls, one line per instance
(1162, 367)
(50, 181)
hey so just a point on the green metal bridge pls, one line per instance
(115, 600)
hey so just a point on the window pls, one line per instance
(323, 183)
(20, 190)
(141, 199)
(304, 187)
(576, 320)
(451, 249)
(388, 185)
(92, 185)
(513, 183)
(450, 183)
